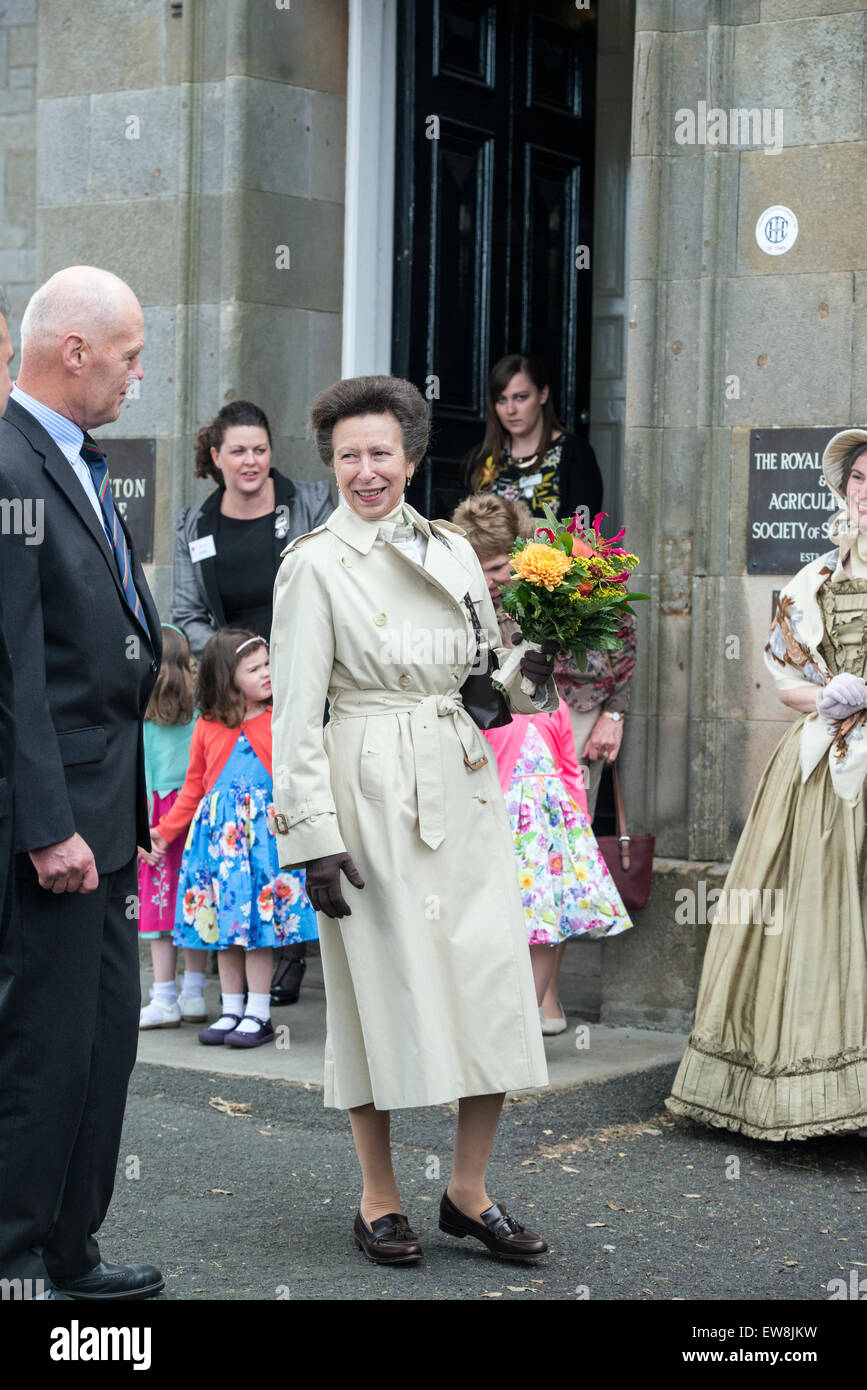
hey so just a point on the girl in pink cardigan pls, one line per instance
(565, 885)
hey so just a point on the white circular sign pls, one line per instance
(777, 230)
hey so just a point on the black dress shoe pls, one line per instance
(54, 1295)
(389, 1241)
(286, 983)
(114, 1281)
(502, 1234)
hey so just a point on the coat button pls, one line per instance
(155, 666)
(345, 560)
(456, 671)
(404, 680)
(380, 620)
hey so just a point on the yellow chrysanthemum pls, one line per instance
(541, 564)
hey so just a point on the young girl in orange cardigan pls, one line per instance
(232, 895)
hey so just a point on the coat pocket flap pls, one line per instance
(375, 747)
(82, 745)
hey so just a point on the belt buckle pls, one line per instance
(474, 767)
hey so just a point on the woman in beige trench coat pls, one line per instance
(427, 973)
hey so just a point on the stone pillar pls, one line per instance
(18, 154)
(723, 339)
(182, 146)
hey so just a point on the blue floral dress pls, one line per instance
(231, 891)
(565, 885)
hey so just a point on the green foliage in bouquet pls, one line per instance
(569, 586)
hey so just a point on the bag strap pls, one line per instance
(623, 841)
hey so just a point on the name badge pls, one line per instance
(202, 548)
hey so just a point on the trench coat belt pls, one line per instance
(424, 710)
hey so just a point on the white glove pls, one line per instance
(842, 696)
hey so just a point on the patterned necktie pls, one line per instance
(98, 469)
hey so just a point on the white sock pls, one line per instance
(165, 993)
(194, 984)
(232, 1004)
(258, 1007)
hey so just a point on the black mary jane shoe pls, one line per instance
(389, 1241)
(505, 1237)
(286, 984)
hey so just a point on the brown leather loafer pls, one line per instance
(389, 1241)
(501, 1233)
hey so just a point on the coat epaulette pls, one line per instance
(300, 539)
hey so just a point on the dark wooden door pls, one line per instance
(494, 186)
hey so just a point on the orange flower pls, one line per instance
(581, 548)
(585, 588)
(541, 564)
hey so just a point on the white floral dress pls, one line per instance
(565, 885)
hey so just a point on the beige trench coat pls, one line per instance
(428, 983)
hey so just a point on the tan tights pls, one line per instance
(477, 1124)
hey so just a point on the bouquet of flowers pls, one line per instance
(568, 587)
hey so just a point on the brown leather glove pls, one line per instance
(323, 883)
(539, 666)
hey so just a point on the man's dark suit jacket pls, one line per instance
(83, 665)
(7, 763)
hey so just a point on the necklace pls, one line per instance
(525, 463)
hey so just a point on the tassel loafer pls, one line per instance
(389, 1241)
(505, 1237)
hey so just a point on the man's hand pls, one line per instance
(67, 867)
(323, 883)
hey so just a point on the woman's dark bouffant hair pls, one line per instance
(217, 695)
(171, 700)
(371, 395)
(493, 446)
(211, 436)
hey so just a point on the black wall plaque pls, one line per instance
(131, 468)
(789, 503)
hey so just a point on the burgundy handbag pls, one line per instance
(629, 857)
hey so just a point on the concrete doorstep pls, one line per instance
(585, 1052)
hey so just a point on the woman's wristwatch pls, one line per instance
(612, 714)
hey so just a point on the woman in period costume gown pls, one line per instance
(779, 1046)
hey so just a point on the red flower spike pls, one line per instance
(597, 520)
(544, 531)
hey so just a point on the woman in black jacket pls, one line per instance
(227, 555)
(526, 454)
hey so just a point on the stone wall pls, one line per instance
(706, 305)
(18, 154)
(181, 145)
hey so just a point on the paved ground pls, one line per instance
(592, 1053)
(635, 1205)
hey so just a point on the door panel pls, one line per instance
(494, 197)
